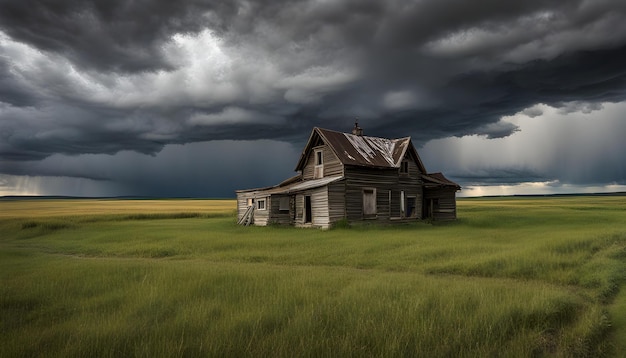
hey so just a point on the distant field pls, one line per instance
(512, 277)
(80, 207)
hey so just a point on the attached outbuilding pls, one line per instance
(352, 177)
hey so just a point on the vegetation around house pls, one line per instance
(511, 277)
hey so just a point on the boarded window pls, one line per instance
(284, 204)
(369, 202)
(250, 201)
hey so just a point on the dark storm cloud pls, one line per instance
(177, 170)
(99, 77)
(500, 176)
(107, 35)
(577, 81)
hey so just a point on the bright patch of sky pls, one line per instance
(552, 152)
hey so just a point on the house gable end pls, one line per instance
(412, 152)
(318, 159)
(356, 150)
(314, 140)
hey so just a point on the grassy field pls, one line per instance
(513, 277)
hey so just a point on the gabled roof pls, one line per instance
(437, 179)
(358, 150)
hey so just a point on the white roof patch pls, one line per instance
(370, 147)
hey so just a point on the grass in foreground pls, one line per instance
(513, 277)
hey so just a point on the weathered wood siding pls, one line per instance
(298, 217)
(277, 216)
(319, 208)
(412, 186)
(261, 217)
(400, 211)
(332, 164)
(395, 204)
(383, 181)
(358, 178)
(242, 203)
(440, 203)
(336, 201)
(414, 171)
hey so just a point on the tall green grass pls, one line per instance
(512, 277)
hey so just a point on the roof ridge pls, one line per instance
(358, 150)
(368, 136)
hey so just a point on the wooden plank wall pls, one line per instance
(319, 205)
(395, 203)
(242, 203)
(299, 208)
(409, 191)
(277, 216)
(358, 178)
(445, 209)
(336, 201)
(332, 164)
(414, 171)
(383, 180)
(319, 208)
(261, 216)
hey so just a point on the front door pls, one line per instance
(308, 212)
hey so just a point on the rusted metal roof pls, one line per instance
(365, 150)
(439, 179)
(359, 150)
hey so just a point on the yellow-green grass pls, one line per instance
(512, 277)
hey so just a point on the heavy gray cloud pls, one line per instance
(100, 78)
(203, 169)
(555, 148)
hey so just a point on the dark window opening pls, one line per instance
(410, 206)
(318, 158)
(404, 167)
(308, 212)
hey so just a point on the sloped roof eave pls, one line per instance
(404, 150)
(293, 187)
(288, 181)
(438, 179)
(305, 150)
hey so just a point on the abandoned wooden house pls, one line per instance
(353, 177)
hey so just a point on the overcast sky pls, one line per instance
(199, 98)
